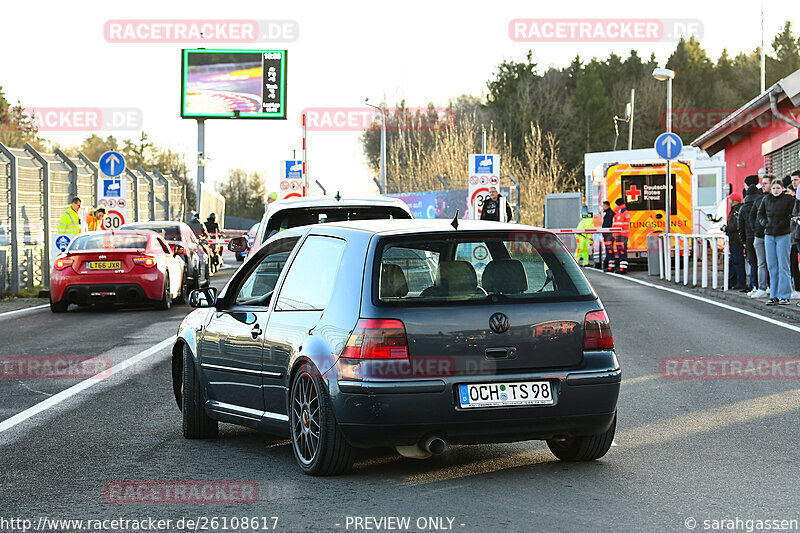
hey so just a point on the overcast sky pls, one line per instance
(54, 54)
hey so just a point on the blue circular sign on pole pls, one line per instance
(112, 164)
(62, 241)
(668, 146)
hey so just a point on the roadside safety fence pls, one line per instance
(675, 251)
(36, 189)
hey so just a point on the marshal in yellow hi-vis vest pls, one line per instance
(70, 222)
(644, 188)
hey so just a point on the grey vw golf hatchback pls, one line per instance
(404, 333)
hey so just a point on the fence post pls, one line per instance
(677, 259)
(167, 192)
(13, 195)
(704, 283)
(714, 263)
(695, 247)
(135, 178)
(46, 198)
(725, 263)
(152, 196)
(518, 187)
(3, 273)
(95, 172)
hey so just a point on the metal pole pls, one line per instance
(685, 260)
(517, 198)
(704, 282)
(383, 152)
(483, 140)
(677, 259)
(201, 161)
(763, 54)
(13, 199)
(714, 263)
(669, 161)
(725, 252)
(695, 249)
(46, 202)
(630, 121)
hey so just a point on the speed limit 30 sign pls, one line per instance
(113, 220)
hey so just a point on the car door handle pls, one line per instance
(256, 331)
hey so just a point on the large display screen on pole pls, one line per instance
(233, 84)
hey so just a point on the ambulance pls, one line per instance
(698, 199)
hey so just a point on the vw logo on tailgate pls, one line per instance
(498, 322)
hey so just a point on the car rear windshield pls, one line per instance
(168, 233)
(108, 240)
(477, 267)
(292, 218)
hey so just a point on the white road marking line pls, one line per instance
(81, 386)
(702, 299)
(15, 311)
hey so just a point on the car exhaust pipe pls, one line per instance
(72, 297)
(435, 445)
(431, 446)
(132, 296)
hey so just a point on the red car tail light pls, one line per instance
(63, 263)
(597, 331)
(377, 338)
(146, 261)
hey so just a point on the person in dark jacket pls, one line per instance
(608, 238)
(774, 214)
(758, 244)
(493, 207)
(747, 234)
(794, 260)
(737, 279)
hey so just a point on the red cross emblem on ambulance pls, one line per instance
(633, 194)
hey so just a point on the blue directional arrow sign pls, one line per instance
(112, 164)
(668, 145)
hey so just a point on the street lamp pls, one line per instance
(382, 185)
(665, 74)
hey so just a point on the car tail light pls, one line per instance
(597, 331)
(63, 263)
(377, 338)
(145, 261)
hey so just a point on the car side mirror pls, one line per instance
(204, 297)
(709, 217)
(238, 244)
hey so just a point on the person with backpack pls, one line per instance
(762, 290)
(736, 277)
(774, 214)
(747, 234)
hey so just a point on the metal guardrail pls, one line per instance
(696, 246)
(36, 188)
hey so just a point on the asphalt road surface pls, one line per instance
(687, 451)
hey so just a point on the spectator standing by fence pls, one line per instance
(774, 214)
(747, 234)
(794, 260)
(737, 279)
(758, 243)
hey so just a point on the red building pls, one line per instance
(762, 134)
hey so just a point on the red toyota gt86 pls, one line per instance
(117, 267)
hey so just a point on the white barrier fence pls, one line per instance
(696, 246)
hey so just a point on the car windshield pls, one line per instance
(108, 240)
(517, 266)
(292, 218)
(168, 233)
